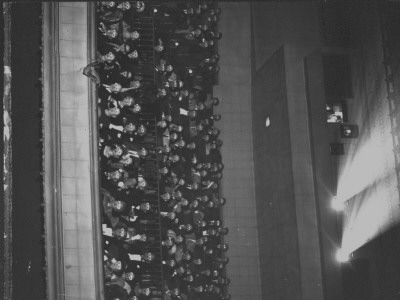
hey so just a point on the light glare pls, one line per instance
(337, 204)
(342, 256)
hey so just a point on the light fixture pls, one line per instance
(267, 121)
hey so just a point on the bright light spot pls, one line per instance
(337, 204)
(267, 121)
(342, 256)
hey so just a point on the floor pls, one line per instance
(75, 153)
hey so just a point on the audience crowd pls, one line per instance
(159, 150)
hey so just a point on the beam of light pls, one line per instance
(371, 213)
(368, 184)
(366, 166)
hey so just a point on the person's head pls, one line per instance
(116, 88)
(191, 146)
(188, 278)
(175, 292)
(116, 151)
(143, 152)
(187, 227)
(219, 265)
(223, 230)
(135, 84)
(205, 122)
(214, 132)
(142, 184)
(148, 257)
(203, 44)
(215, 186)
(109, 57)
(136, 108)
(215, 101)
(214, 169)
(127, 160)
(203, 198)
(173, 136)
(192, 114)
(201, 223)
(161, 68)
(218, 36)
(166, 149)
(169, 68)
(125, 48)
(216, 11)
(130, 127)
(221, 201)
(164, 171)
(112, 112)
(159, 48)
(217, 175)
(109, 4)
(209, 252)
(206, 137)
(111, 33)
(144, 291)
(167, 243)
(141, 130)
(162, 124)
(115, 175)
(178, 239)
(186, 256)
(175, 158)
(119, 232)
(180, 143)
(117, 265)
(180, 270)
(124, 6)
(127, 100)
(203, 173)
(145, 206)
(118, 205)
(170, 262)
(139, 6)
(197, 261)
(178, 193)
(200, 166)
(129, 276)
(132, 35)
(216, 117)
(133, 55)
(166, 196)
(143, 237)
(210, 204)
(126, 74)
(222, 247)
(213, 18)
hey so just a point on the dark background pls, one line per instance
(27, 217)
